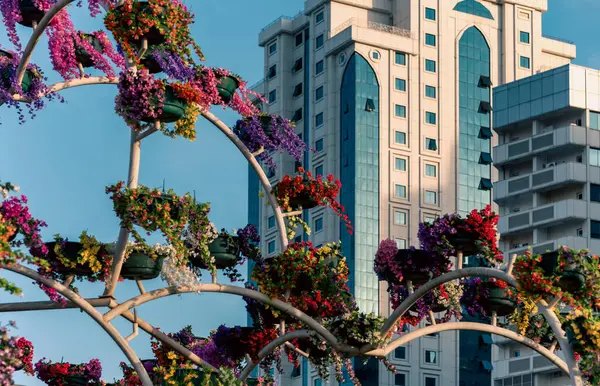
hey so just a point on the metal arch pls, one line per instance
(445, 278)
(92, 312)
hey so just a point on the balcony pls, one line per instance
(551, 245)
(543, 216)
(559, 140)
(524, 365)
(552, 177)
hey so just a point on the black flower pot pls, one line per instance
(308, 347)
(226, 86)
(303, 283)
(141, 267)
(498, 300)
(29, 13)
(224, 256)
(75, 380)
(572, 278)
(418, 276)
(463, 242)
(71, 251)
(439, 308)
(82, 55)
(153, 36)
(151, 64)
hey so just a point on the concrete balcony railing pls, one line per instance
(546, 215)
(524, 365)
(552, 177)
(552, 141)
(544, 246)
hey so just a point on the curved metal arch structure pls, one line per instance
(123, 309)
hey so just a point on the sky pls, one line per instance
(63, 159)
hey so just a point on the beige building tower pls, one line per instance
(395, 97)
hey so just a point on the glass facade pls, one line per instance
(474, 8)
(360, 180)
(474, 62)
(594, 121)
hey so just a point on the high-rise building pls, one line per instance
(394, 96)
(548, 192)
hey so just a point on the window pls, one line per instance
(319, 144)
(400, 380)
(400, 84)
(297, 65)
(430, 197)
(297, 115)
(399, 217)
(400, 58)
(430, 170)
(400, 353)
(430, 381)
(430, 40)
(400, 191)
(271, 247)
(319, 170)
(595, 193)
(400, 137)
(579, 195)
(524, 37)
(430, 14)
(525, 62)
(430, 118)
(272, 73)
(318, 382)
(319, 67)
(272, 96)
(319, 120)
(299, 39)
(272, 48)
(319, 41)
(430, 92)
(296, 372)
(594, 121)
(430, 144)
(400, 243)
(430, 356)
(485, 132)
(485, 184)
(319, 93)
(594, 156)
(485, 107)
(485, 82)
(375, 55)
(370, 105)
(595, 229)
(319, 224)
(579, 232)
(430, 65)
(319, 17)
(298, 90)
(271, 222)
(515, 353)
(400, 111)
(429, 218)
(400, 164)
(485, 158)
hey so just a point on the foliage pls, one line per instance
(584, 328)
(305, 186)
(270, 133)
(15, 212)
(478, 227)
(476, 291)
(589, 365)
(54, 373)
(15, 353)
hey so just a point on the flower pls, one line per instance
(15, 353)
(53, 374)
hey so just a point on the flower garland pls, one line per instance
(476, 292)
(242, 98)
(583, 331)
(15, 354)
(53, 374)
(15, 211)
(270, 133)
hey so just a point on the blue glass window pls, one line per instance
(474, 8)
(400, 353)
(525, 62)
(299, 39)
(271, 247)
(319, 170)
(272, 48)
(400, 111)
(594, 121)
(430, 170)
(272, 73)
(430, 381)
(595, 193)
(595, 229)
(594, 156)
(400, 137)
(431, 199)
(429, 13)
(271, 222)
(319, 17)
(430, 92)
(319, 120)
(400, 164)
(319, 224)
(430, 65)
(400, 380)
(430, 118)
(319, 93)
(524, 37)
(399, 217)
(319, 41)
(319, 144)
(400, 58)
(430, 144)
(272, 96)
(400, 191)
(400, 84)
(319, 67)
(430, 40)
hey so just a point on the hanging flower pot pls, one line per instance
(29, 13)
(6, 75)
(139, 266)
(302, 200)
(153, 201)
(75, 380)
(572, 279)
(312, 349)
(224, 254)
(464, 242)
(82, 55)
(498, 300)
(414, 258)
(227, 86)
(439, 307)
(70, 251)
(173, 108)
(149, 61)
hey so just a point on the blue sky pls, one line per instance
(66, 156)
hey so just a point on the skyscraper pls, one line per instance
(394, 96)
